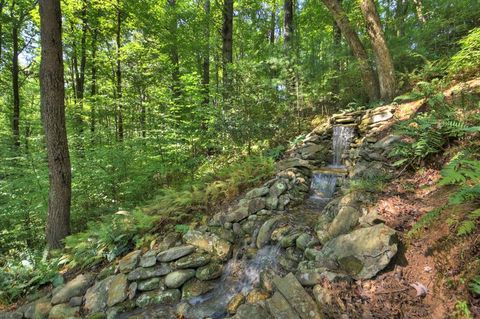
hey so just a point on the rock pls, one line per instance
(225, 234)
(132, 290)
(266, 279)
(210, 243)
(289, 240)
(37, 309)
(287, 263)
(145, 273)
(346, 219)
(170, 240)
(237, 215)
(297, 297)
(75, 302)
(195, 288)
(150, 284)
(106, 272)
(177, 278)
(283, 201)
(63, 311)
(117, 290)
(235, 302)
(256, 205)
(361, 253)
(323, 296)
(192, 261)
(96, 296)
(129, 262)
(210, 271)
(271, 202)
(267, 228)
(11, 315)
(312, 277)
(149, 259)
(73, 288)
(248, 311)
(278, 188)
(175, 253)
(257, 192)
(303, 241)
(256, 295)
(294, 162)
(313, 152)
(160, 297)
(280, 308)
(237, 230)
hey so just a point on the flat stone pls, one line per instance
(145, 273)
(195, 287)
(149, 259)
(210, 243)
(177, 278)
(278, 188)
(175, 253)
(149, 284)
(257, 192)
(294, 162)
(11, 315)
(210, 271)
(297, 297)
(267, 228)
(73, 288)
(130, 261)
(96, 296)
(280, 308)
(117, 290)
(235, 302)
(271, 202)
(63, 311)
(160, 297)
(256, 204)
(193, 261)
(75, 302)
(249, 311)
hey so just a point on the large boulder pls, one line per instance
(209, 242)
(73, 288)
(280, 308)
(361, 253)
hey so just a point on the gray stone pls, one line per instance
(149, 259)
(303, 241)
(278, 188)
(256, 205)
(175, 253)
(161, 297)
(297, 297)
(130, 261)
(248, 311)
(117, 290)
(63, 311)
(267, 228)
(271, 202)
(346, 220)
(257, 192)
(11, 315)
(145, 273)
(73, 288)
(196, 287)
(280, 308)
(149, 284)
(210, 271)
(194, 260)
(177, 278)
(239, 214)
(361, 253)
(96, 296)
(294, 162)
(313, 152)
(75, 302)
(210, 243)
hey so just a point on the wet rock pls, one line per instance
(210, 243)
(195, 287)
(266, 279)
(210, 271)
(297, 297)
(257, 192)
(313, 152)
(149, 259)
(177, 278)
(287, 263)
(160, 297)
(361, 253)
(117, 290)
(129, 262)
(175, 253)
(248, 311)
(73, 288)
(193, 261)
(145, 273)
(267, 228)
(63, 311)
(256, 295)
(303, 241)
(280, 308)
(294, 162)
(289, 240)
(150, 284)
(235, 302)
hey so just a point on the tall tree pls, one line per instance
(53, 115)
(384, 62)
(16, 21)
(174, 55)
(368, 75)
(118, 72)
(288, 27)
(206, 55)
(227, 37)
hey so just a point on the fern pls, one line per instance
(469, 225)
(475, 285)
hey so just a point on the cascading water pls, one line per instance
(240, 275)
(324, 183)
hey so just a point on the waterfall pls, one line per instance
(342, 136)
(323, 186)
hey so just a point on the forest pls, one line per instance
(124, 124)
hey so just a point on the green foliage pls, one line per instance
(469, 224)
(370, 183)
(467, 60)
(474, 285)
(425, 222)
(106, 239)
(462, 310)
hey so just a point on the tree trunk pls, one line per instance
(206, 56)
(369, 79)
(93, 88)
(337, 45)
(15, 87)
(174, 56)
(53, 116)
(118, 74)
(273, 22)
(288, 24)
(419, 9)
(227, 36)
(2, 5)
(385, 69)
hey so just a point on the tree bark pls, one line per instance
(15, 87)
(53, 116)
(206, 56)
(337, 45)
(385, 68)
(118, 75)
(93, 88)
(369, 79)
(273, 22)
(2, 5)
(288, 24)
(227, 37)
(174, 56)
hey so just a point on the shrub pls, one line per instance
(467, 60)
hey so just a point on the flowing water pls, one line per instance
(342, 136)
